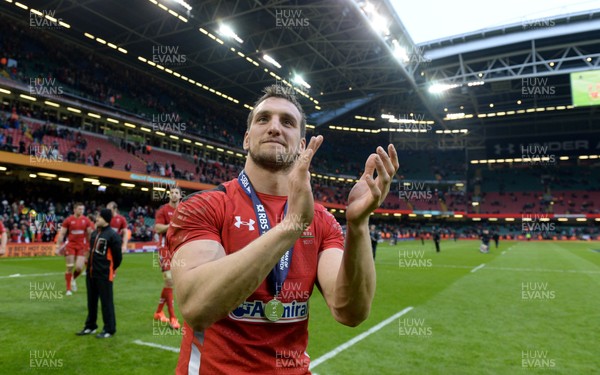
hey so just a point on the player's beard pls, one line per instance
(273, 161)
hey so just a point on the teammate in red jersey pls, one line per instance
(162, 221)
(242, 288)
(119, 224)
(3, 239)
(77, 228)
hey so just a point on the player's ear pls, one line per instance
(246, 141)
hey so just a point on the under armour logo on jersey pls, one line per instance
(238, 223)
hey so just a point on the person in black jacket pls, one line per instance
(104, 258)
(375, 237)
(436, 239)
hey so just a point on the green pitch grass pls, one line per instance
(532, 306)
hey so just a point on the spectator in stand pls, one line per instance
(16, 234)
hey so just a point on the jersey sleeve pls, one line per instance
(160, 217)
(65, 224)
(200, 217)
(90, 224)
(333, 235)
(123, 225)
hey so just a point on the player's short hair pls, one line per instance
(175, 187)
(112, 205)
(279, 91)
(77, 204)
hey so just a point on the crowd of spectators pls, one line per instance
(38, 220)
(44, 57)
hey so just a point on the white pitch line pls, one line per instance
(478, 267)
(15, 275)
(358, 338)
(163, 347)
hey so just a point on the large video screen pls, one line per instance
(585, 88)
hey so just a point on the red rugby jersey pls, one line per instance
(246, 341)
(118, 223)
(77, 230)
(163, 216)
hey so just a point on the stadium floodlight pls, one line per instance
(271, 60)
(377, 21)
(438, 88)
(399, 51)
(187, 6)
(298, 79)
(228, 31)
(379, 24)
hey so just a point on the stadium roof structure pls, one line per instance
(356, 59)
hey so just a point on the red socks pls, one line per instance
(166, 296)
(68, 277)
(169, 296)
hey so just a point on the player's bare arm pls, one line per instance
(347, 278)
(124, 239)
(209, 284)
(3, 241)
(88, 234)
(60, 239)
(161, 228)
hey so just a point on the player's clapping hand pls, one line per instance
(369, 192)
(300, 198)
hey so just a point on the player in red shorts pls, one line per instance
(243, 274)
(3, 239)
(119, 224)
(77, 228)
(162, 221)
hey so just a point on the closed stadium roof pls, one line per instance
(431, 20)
(353, 66)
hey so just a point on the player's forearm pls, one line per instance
(59, 240)
(355, 284)
(161, 228)
(124, 240)
(209, 292)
